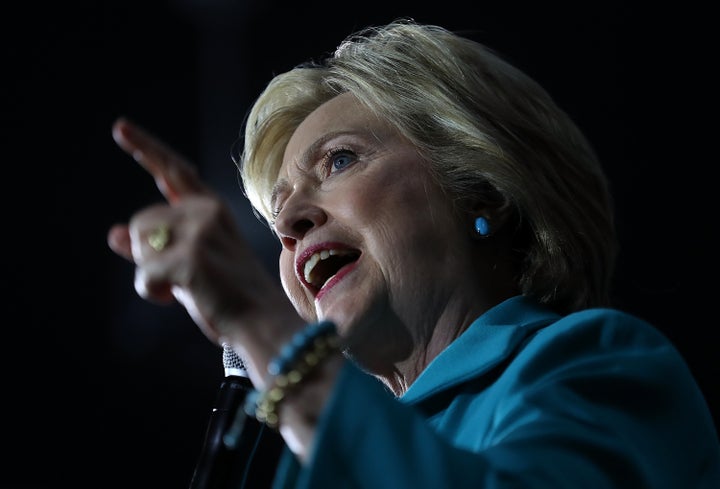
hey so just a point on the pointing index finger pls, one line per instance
(174, 176)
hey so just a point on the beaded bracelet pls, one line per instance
(295, 361)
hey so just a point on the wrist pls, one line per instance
(292, 369)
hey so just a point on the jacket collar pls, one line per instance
(489, 340)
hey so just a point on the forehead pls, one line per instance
(341, 114)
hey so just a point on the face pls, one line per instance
(369, 240)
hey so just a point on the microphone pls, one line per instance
(224, 465)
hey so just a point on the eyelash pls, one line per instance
(327, 166)
(328, 159)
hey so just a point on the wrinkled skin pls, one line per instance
(207, 265)
(350, 181)
(416, 280)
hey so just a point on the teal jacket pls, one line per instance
(524, 398)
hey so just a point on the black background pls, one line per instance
(102, 389)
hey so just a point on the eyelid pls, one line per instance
(276, 205)
(280, 192)
(327, 158)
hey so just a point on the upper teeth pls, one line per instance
(316, 258)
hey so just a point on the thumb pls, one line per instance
(118, 239)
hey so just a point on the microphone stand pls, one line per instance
(228, 466)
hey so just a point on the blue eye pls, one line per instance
(340, 159)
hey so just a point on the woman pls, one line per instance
(447, 252)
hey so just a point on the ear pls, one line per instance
(487, 219)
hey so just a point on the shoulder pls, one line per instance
(601, 342)
(604, 328)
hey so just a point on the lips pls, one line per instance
(319, 264)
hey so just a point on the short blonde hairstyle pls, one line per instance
(488, 131)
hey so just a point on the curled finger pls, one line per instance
(153, 283)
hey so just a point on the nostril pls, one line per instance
(301, 226)
(297, 230)
(288, 243)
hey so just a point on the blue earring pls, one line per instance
(482, 228)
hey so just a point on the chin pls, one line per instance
(302, 304)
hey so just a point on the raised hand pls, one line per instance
(190, 249)
(174, 176)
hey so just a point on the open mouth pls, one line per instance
(323, 265)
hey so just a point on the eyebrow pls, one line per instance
(305, 160)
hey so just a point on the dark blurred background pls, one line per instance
(102, 389)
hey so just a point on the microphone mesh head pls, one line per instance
(232, 362)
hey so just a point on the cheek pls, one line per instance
(293, 289)
(410, 231)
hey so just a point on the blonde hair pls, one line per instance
(488, 131)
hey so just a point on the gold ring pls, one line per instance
(160, 237)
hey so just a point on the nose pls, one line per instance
(299, 215)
